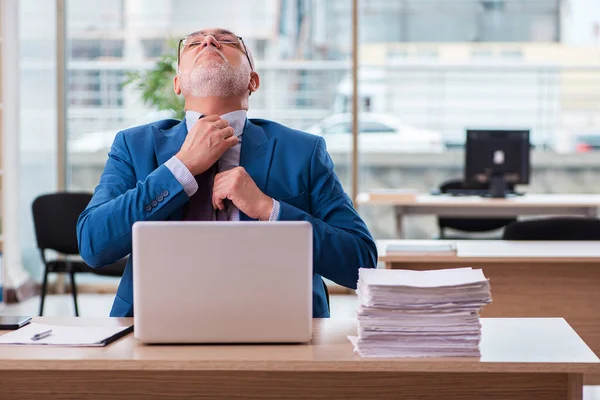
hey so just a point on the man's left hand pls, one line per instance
(237, 186)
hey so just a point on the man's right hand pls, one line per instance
(205, 143)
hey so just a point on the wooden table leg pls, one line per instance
(575, 387)
(399, 211)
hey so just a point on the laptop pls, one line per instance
(222, 282)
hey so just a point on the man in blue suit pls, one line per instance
(218, 165)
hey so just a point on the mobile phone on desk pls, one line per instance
(10, 323)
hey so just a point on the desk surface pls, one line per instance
(501, 250)
(528, 200)
(544, 345)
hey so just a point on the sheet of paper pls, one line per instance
(423, 279)
(61, 335)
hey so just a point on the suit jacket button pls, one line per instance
(160, 198)
(148, 208)
(154, 203)
(165, 193)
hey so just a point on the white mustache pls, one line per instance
(211, 50)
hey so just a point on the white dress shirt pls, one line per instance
(230, 159)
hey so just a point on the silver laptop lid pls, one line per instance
(207, 282)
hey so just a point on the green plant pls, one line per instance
(156, 84)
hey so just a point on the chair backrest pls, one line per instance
(556, 228)
(55, 219)
(470, 224)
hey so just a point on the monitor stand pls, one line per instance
(498, 187)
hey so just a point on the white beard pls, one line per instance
(212, 78)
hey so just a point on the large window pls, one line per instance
(428, 70)
(302, 51)
(37, 119)
(434, 68)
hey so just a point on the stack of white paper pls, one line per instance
(420, 313)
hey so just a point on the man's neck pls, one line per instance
(215, 105)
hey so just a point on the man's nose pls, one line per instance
(210, 40)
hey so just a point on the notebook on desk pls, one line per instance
(69, 336)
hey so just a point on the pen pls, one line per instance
(41, 335)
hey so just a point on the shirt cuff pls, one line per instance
(183, 175)
(275, 212)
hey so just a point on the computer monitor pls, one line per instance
(497, 157)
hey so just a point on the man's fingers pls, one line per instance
(214, 198)
(213, 120)
(218, 200)
(225, 132)
(210, 118)
(222, 182)
(220, 124)
(212, 125)
(219, 179)
(230, 142)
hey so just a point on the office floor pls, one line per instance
(98, 305)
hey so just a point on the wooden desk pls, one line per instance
(521, 359)
(475, 206)
(528, 279)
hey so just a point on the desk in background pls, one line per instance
(528, 279)
(538, 359)
(474, 206)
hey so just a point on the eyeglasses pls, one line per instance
(190, 42)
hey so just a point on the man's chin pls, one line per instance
(210, 63)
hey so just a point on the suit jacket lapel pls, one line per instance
(167, 142)
(255, 157)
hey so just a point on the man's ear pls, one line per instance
(254, 82)
(176, 87)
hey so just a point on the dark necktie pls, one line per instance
(199, 207)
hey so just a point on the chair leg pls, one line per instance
(44, 290)
(74, 291)
(326, 295)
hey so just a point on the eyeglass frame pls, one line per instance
(245, 50)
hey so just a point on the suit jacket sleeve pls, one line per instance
(341, 241)
(104, 229)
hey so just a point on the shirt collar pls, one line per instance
(236, 119)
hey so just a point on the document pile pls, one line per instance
(420, 313)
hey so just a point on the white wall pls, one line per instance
(580, 22)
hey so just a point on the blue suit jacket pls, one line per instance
(287, 165)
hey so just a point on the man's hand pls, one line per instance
(205, 143)
(237, 186)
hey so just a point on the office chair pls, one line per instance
(555, 228)
(55, 220)
(482, 224)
